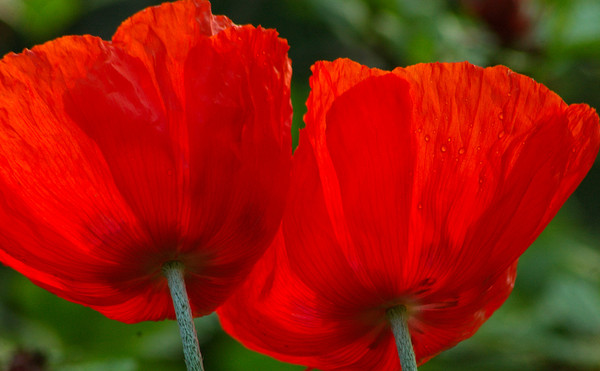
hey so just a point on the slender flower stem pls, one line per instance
(191, 349)
(399, 320)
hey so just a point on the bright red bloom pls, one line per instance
(420, 187)
(171, 142)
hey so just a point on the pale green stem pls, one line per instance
(399, 320)
(191, 349)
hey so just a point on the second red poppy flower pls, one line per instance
(416, 189)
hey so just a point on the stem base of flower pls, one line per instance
(173, 271)
(399, 321)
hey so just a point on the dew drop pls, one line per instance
(501, 116)
(443, 148)
(500, 134)
(461, 151)
(573, 150)
(420, 206)
(427, 138)
(419, 130)
(479, 148)
(480, 180)
(449, 140)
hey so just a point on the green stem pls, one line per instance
(399, 320)
(191, 349)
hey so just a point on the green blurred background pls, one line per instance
(552, 319)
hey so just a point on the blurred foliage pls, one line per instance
(552, 319)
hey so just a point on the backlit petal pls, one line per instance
(54, 174)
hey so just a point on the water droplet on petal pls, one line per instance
(427, 138)
(443, 148)
(461, 151)
(500, 134)
(420, 206)
(419, 130)
(501, 116)
(479, 148)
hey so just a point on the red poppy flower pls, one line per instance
(169, 143)
(417, 188)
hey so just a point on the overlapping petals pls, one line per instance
(418, 187)
(170, 142)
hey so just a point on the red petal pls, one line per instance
(239, 170)
(329, 81)
(59, 207)
(423, 199)
(119, 108)
(373, 158)
(480, 177)
(230, 119)
(275, 313)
